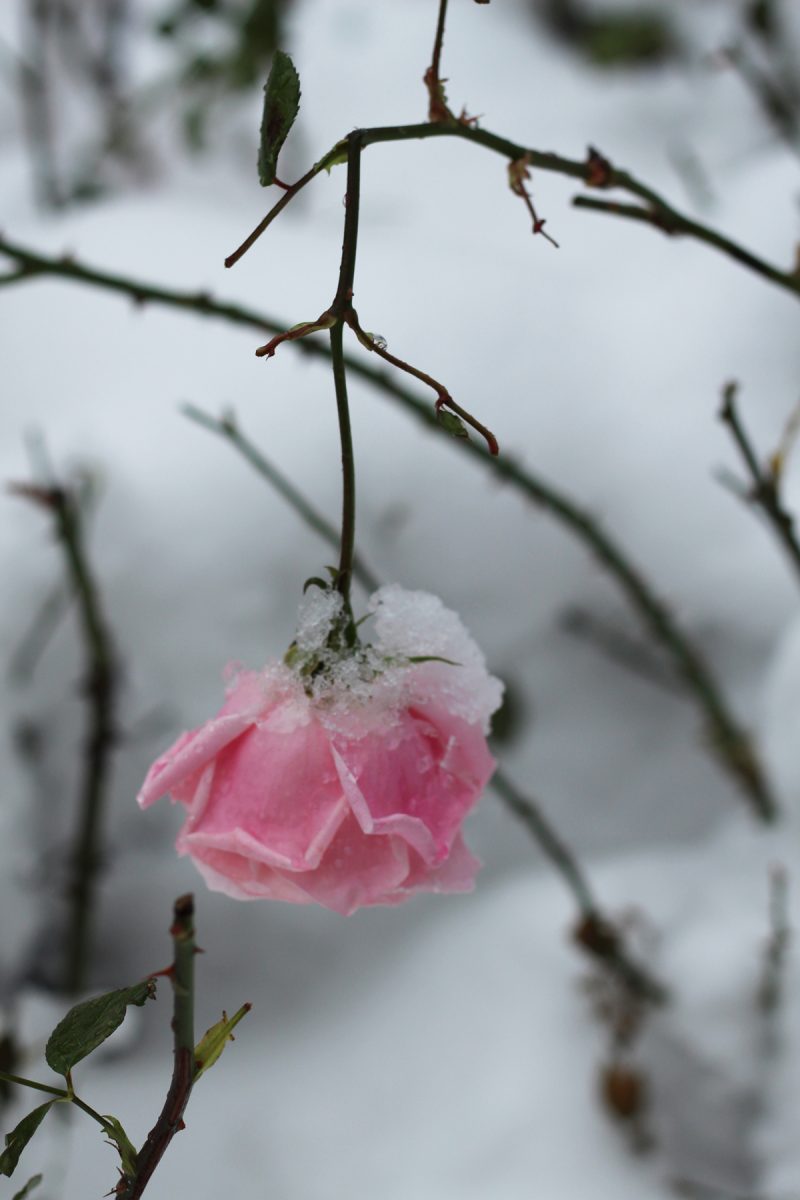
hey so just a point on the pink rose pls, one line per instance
(343, 779)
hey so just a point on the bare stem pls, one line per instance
(170, 1121)
(287, 197)
(765, 492)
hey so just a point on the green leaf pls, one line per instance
(423, 658)
(214, 1041)
(87, 1025)
(32, 1183)
(126, 1149)
(281, 106)
(17, 1140)
(451, 424)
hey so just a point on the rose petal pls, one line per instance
(356, 870)
(280, 790)
(418, 781)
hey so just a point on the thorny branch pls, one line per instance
(730, 744)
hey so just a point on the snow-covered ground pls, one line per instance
(444, 1049)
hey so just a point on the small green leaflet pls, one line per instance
(281, 106)
(88, 1024)
(214, 1041)
(17, 1140)
(127, 1151)
(32, 1183)
(451, 424)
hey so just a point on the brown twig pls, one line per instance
(444, 399)
(765, 491)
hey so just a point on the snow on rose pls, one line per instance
(342, 775)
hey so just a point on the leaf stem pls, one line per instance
(61, 1093)
(288, 195)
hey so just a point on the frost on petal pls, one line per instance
(319, 611)
(416, 625)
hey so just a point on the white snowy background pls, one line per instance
(445, 1050)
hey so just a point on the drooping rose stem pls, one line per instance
(340, 309)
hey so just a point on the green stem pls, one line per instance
(347, 266)
(91, 1112)
(341, 306)
(61, 1093)
(347, 543)
(170, 1120)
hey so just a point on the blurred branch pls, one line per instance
(619, 646)
(100, 687)
(773, 977)
(595, 933)
(37, 101)
(228, 428)
(765, 492)
(42, 627)
(729, 743)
